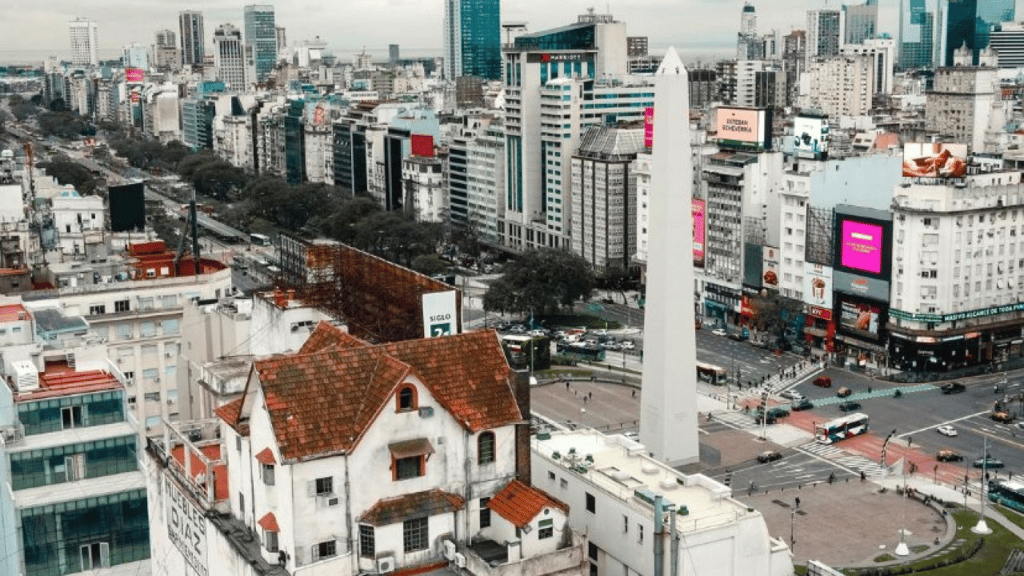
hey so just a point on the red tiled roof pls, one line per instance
(416, 505)
(519, 503)
(329, 336)
(266, 457)
(321, 403)
(230, 413)
(13, 313)
(68, 383)
(220, 471)
(269, 522)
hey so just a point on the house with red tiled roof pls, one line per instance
(346, 457)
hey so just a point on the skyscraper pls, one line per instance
(227, 56)
(823, 33)
(968, 22)
(83, 42)
(193, 40)
(917, 39)
(472, 39)
(261, 39)
(861, 21)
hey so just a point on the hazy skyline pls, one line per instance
(415, 25)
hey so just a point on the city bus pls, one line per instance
(835, 430)
(1009, 493)
(581, 351)
(711, 373)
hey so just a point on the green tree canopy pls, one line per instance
(541, 282)
(67, 171)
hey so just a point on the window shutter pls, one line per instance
(104, 555)
(311, 488)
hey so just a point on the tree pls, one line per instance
(773, 313)
(341, 223)
(541, 281)
(429, 264)
(616, 278)
(67, 171)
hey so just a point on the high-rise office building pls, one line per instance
(967, 22)
(472, 38)
(917, 39)
(1008, 42)
(861, 22)
(281, 37)
(83, 42)
(748, 45)
(261, 39)
(165, 38)
(824, 33)
(166, 54)
(193, 40)
(135, 55)
(394, 53)
(227, 56)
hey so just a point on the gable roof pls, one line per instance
(231, 414)
(396, 509)
(321, 402)
(519, 503)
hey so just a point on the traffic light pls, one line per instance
(727, 480)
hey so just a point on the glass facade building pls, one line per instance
(261, 37)
(917, 41)
(472, 39)
(970, 21)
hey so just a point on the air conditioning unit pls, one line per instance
(156, 379)
(460, 560)
(386, 564)
(329, 501)
(167, 354)
(448, 550)
(426, 411)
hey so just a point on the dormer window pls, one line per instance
(407, 399)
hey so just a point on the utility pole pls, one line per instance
(981, 527)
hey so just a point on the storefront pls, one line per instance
(819, 331)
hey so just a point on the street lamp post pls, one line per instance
(982, 527)
(792, 529)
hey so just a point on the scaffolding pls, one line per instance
(820, 235)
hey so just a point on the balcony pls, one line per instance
(489, 558)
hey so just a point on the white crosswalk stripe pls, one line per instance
(852, 461)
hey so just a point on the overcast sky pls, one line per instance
(30, 29)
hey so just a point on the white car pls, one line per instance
(718, 332)
(628, 345)
(792, 395)
(946, 430)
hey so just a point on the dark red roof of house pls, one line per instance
(327, 336)
(67, 383)
(266, 457)
(519, 503)
(269, 522)
(416, 505)
(321, 403)
(230, 413)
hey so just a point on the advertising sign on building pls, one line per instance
(698, 208)
(744, 128)
(860, 318)
(818, 286)
(861, 246)
(440, 314)
(186, 527)
(134, 75)
(934, 160)
(649, 127)
(422, 145)
(770, 267)
(810, 137)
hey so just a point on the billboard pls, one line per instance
(860, 285)
(934, 160)
(440, 316)
(860, 246)
(818, 285)
(134, 75)
(422, 145)
(648, 126)
(744, 128)
(860, 317)
(770, 267)
(186, 527)
(127, 205)
(810, 137)
(699, 211)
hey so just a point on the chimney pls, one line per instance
(279, 298)
(291, 294)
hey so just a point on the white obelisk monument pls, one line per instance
(668, 412)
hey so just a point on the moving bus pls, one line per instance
(581, 351)
(711, 373)
(1009, 493)
(835, 430)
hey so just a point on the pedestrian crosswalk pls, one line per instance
(885, 392)
(854, 462)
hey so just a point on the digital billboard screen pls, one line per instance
(810, 137)
(860, 318)
(422, 145)
(134, 75)
(742, 128)
(699, 217)
(648, 126)
(861, 246)
(770, 267)
(818, 285)
(934, 160)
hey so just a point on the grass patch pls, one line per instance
(919, 548)
(800, 570)
(1011, 515)
(884, 558)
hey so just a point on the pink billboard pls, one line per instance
(861, 246)
(649, 127)
(698, 211)
(740, 125)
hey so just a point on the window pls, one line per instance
(325, 486)
(547, 529)
(122, 306)
(152, 396)
(267, 472)
(411, 467)
(270, 541)
(95, 555)
(485, 513)
(71, 417)
(551, 476)
(367, 541)
(415, 535)
(591, 502)
(407, 399)
(124, 331)
(324, 550)
(485, 448)
(97, 309)
(625, 523)
(170, 327)
(592, 550)
(563, 483)
(147, 329)
(640, 533)
(146, 303)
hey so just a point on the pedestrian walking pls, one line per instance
(566, 385)
(591, 395)
(584, 399)
(909, 441)
(633, 394)
(797, 501)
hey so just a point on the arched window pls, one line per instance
(485, 448)
(407, 399)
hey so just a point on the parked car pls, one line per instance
(777, 412)
(768, 456)
(988, 462)
(628, 345)
(946, 430)
(948, 456)
(792, 395)
(760, 418)
(843, 392)
(719, 332)
(849, 406)
(803, 404)
(954, 388)
(823, 381)
(1002, 417)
